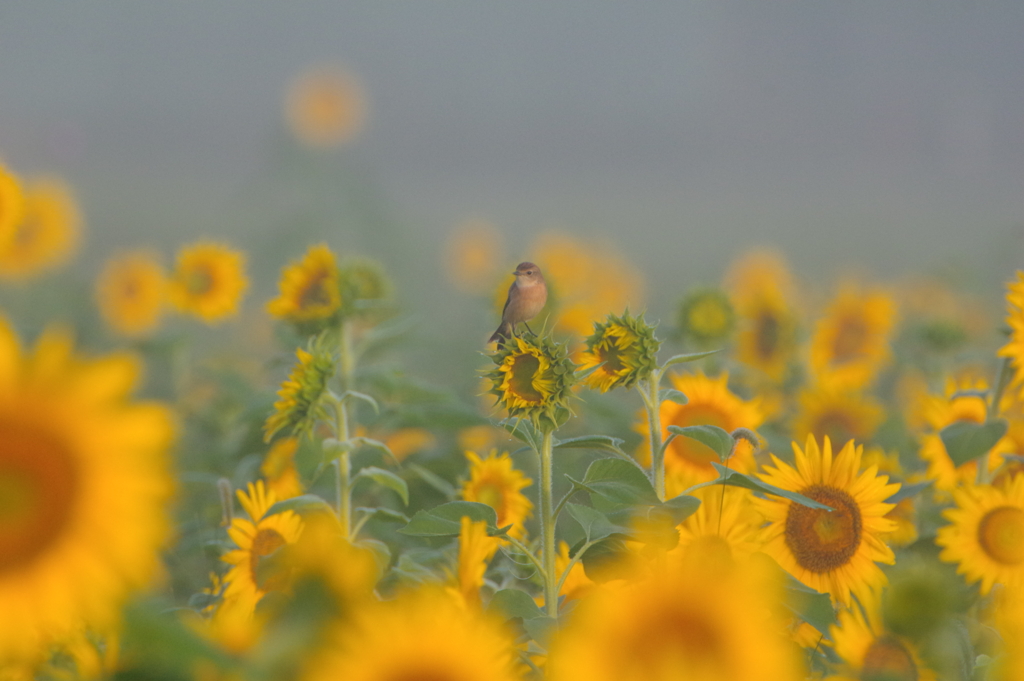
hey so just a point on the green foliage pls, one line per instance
(966, 441)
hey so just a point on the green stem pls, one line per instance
(652, 402)
(346, 359)
(525, 550)
(343, 471)
(547, 526)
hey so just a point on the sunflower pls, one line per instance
(532, 379)
(472, 249)
(259, 536)
(131, 291)
(494, 481)
(840, 413)
(422, 634)
(278, 469)
(961, 402)
(326, 107)
(724, 529)
(310, 289)
(766, 340)
(706, 317)
(300, 398)
(12, 204)
(710, 403)
(47, 233)
(621, 351)
(985, 536)
(208, 281)
(830, 551)
(686, 624)
(757, 271)
(851, 342)
(576, 584)
(872, 653)
(476, 549)
(84, 484)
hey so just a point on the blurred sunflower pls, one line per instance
(687, 624)
(326, 107)
(84, 484)
(834, 551)
(1014, 348)
(131, 291)
(475, 551)
(843, 414)
(259, 536)
(725, 529)
(871, 652)
(576, 583)
(310, 289)
(278, 469)
(985, 536)
(47, 233)
(405, 442)
(757, 271)
(851, 342)
(710, 402)
(473, 249)
(706, 317)
(422, 634)
(208, 281)
(621, 351)
(301, 396)
(495, 482)
(532, 379)
(12, 204)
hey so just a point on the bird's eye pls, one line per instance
(529, 271)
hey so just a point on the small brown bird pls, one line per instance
(526, 298)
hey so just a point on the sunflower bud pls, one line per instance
(532, 379)
(301, 397)
(706, 317)
(621, 351)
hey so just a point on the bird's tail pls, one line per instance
(504, 331)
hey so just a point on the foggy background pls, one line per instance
(883, 134)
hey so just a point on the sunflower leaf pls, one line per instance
(306, 503)
(681, 507)
(619, 482)
(673, 395)
(727, 476)
(446, 520)
(434, 480)
(373, 444)
(718, 439)
(688, 357)
(387, 479)
(514, 603)
(596, 442)
(907, 491)
(384, 514)
(594, 523)
(361, 396)
(522, 430)
(811, 606)
(966, 441)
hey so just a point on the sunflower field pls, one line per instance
(256, 464)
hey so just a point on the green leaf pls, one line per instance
(727, 476)
(620, 482)
(604, 561)
(361, 396)
(594, 523)
(381, 552)
(522, 430)
(682, 507)
(387, 479)
(540, 628)
(384, 514)
(306, 503)
(596, 442)
(718, 439)
(688, 357)
(433, 479)
(372, 444)
(966, 441)
(673, 395)
(446, 520)
(411, 571)
(907, 491)
(810, 606)
(514, 603)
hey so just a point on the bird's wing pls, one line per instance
(511, 292)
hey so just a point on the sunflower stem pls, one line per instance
(547, 525)
(652, 402)
(343, 464)
(343, 483)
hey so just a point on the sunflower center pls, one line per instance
(820, 540)
(199, 281)
(611, 356)
(27, 233)
(524, 368)
(266, 541)
(38, 485)
(490, 494)
(316, 292)
(1001, 535)
(768, 330)
(851, 336)
(888, 660)
(837, 425)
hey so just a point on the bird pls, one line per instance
(526, 298)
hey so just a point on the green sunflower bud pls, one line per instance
(706, 317)
(620, 352)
